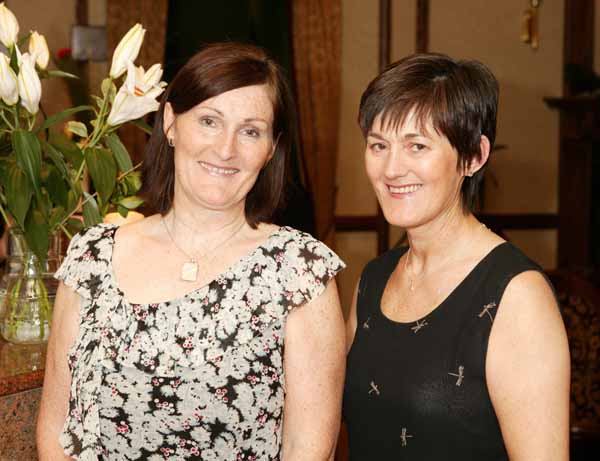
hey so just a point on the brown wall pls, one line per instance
(523, 177)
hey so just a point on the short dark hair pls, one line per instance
(214, 70)
(460, 98)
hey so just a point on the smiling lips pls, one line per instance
(404, 190)
(218, 171)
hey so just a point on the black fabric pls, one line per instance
(406, 396)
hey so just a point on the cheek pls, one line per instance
(373, 166)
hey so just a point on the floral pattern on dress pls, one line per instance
(196, 378)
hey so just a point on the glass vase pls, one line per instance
(27, 292)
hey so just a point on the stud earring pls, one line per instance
(170, 142)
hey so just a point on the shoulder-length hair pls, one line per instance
(214, 70)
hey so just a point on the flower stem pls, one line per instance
(6, 121)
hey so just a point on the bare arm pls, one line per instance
(57, 379)
(528, 371)
(314, 366)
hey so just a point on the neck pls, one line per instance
(433, 242)
(201, 226)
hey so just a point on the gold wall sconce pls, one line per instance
(530, 32)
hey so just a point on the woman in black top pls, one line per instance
(456, 346)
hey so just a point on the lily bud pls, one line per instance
(30, 87)
(38, 48)
(137, 96)
(9, 27)
(127, 50)
(8, 82)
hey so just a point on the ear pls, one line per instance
(168, 119)
(477, 163)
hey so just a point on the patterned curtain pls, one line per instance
(316, 37)
(152, 14)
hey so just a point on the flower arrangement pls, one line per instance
(42, 181)
(46, 179)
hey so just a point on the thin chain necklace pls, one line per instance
(189, 269)
(410, 274)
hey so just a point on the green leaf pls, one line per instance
(108, 87)
(60, 73)
(57, 159)
(74, 225)
(18, 194)
(28, 155)
(57, 187)
(68, 148)
(132, 182)
(91, 215)
(103, 171)
(73, 199)
(142, 125)
(119, 151)
(77, 128)
(132, 202)
(123, 211)
(56, 118)
(56, 217)
(37, 234)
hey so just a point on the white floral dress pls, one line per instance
(196, 378)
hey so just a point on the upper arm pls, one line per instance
(57, 378)
(352, 320)
(528, 371)
(314, 365)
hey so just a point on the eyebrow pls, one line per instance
(406, 136)
(246, 120)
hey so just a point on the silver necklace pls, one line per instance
(189, 269)
(410, 274)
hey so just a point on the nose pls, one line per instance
(226, 145)
(396, 164)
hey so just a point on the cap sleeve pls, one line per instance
(308, 267)
(84, 264)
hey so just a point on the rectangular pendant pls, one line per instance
(189, 271)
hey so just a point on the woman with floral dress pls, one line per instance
(168, 333)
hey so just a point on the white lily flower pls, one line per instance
(8, 82)
(137, 96)
(9, 27)
(38, 48)
(28, 82)
(127, 50)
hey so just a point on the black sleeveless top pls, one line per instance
(417, 391)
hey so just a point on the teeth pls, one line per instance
(215, 170)
(404, 189)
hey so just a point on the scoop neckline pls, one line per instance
(189, 294)
(441, 305)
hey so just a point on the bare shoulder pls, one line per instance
(528, 295)
(130, 237)
(528, 315)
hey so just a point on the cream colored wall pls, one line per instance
(526, 172)
(524, 177)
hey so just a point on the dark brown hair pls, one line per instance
(460, 98)
(214, 70)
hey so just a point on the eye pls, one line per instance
(208, 121)
(252, 132)
(416, 147)
(377, 146)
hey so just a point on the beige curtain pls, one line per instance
(316, 33)
(120, 17)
